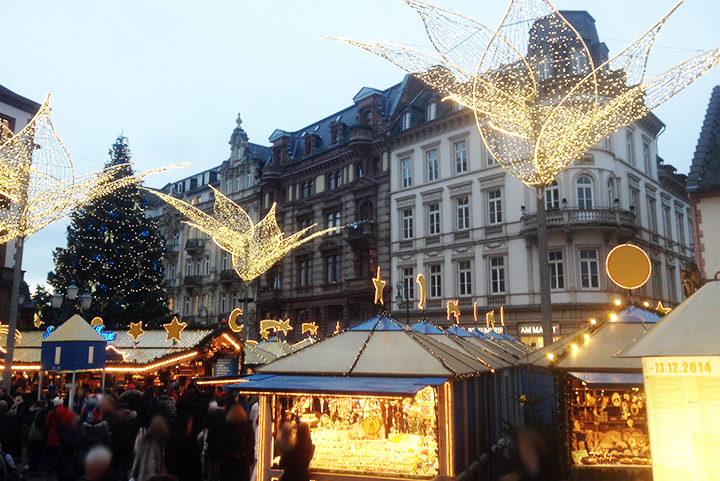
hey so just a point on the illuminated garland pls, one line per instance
(254, 247)
(537, 109)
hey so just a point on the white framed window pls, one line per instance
(552, 196)
(408, 280)
(223, 303)
(462, 212)
(188, 266)
(198, 266)
(186, 306)
(435, 280)
(545, 68)
(589, 276)
(304, 272)
(430, 111)
(611, 192)
(464, 269)
(248, 179)
(206, 270)
(332, 264)
(406, 172)
(578, 62)
(647, 160)
(228, 186)
(334, 219)
(652, 213)
(406, 120)
(667, 222)
(491, 160)
(431, 160)
(584, 192)
(494, 207)
(680, 221)
(225, 262)
(557, 270)
(434, 219)
(176, 239)
(497, 275)
(461, 156)
(407, 224)
(238, 183)
(630, 146)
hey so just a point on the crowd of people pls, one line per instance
(158, 433)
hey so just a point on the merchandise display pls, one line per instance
(371, 435)
(609, 426)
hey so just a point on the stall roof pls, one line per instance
(74, 329)
(256, 356)
(597, 353)
(609, 378)
(691, 329)
(275, 347)
(335, 385)
(381, 346)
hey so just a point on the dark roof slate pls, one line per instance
(705, 170)
(18, 101)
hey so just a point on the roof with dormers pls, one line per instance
(705, 170)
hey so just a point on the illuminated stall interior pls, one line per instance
(381, 400)
(602, 397)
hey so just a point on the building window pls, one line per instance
(646, 157)
(238, 183)
(248, 179)
(360, 170)
(460, 150)
(635, 202)
(680, 221)
(557, 272)
(431, 158)
(462, 209)
(305, 272)
(436, 280)
(406, 172)
(6, 129)
(552, 196)
(585, 192)
(430, 111)
(408, 280)
(497, 275)
(578, 62)
(186, 306)
(652, 214)
(407, 224)
(331, 180)
(672, 286)
(228, 187)
(332, 268)
(434, 219)
(223, 303)
(198, 266)
(545, 68)
(491, 160)
(494, 207)
(334, 219)
(188, 267)
(667, 222)
(225, 261)
(464, 278)
(630, 146)
(589, 277)
(176, 239)
(406, 120)
(207, 265)
(171, 272)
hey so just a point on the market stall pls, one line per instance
(600, 398)
(381, 400)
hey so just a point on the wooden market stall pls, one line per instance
(599, 399)
(382, 401)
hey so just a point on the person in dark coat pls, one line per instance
(10, 432)
(95, 432)
(36, 435)
(295, 463)
(69, 436)
(231, 447)
(123, 431)
(182, 455)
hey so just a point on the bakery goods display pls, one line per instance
(364, 435)
(609, 427)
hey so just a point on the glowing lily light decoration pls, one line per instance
(254, 247)
(541, 98)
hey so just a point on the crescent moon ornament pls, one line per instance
(97, 321)
(420, 279)
(475, 311)
(232, 320)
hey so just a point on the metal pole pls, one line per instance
(545, 300)
(71, 399)
(102, 385)
(407, 312)
(40, 384)
(13, 315)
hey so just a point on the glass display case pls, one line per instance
(372, 436)
(609, 426)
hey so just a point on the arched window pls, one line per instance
(585, 192)
(611, 192)
(552, 196)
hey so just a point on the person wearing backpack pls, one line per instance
(36, 435)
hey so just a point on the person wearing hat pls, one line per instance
(93, 433)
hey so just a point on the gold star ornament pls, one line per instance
(310, 327)
(136, 330)
(174, 329)
(661, 308)
(37, 321)
(453, 310)
(284, 326)
(379, 287)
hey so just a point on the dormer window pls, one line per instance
(336, 133)
(430, 111)
(406, 120)
(309, 144)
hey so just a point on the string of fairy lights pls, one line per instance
(541, 97)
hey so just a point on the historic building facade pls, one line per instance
(470, 228)
(333, 173)
(203, 287)
(16, 112)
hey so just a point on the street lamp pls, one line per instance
(84, 301)
(402, 294)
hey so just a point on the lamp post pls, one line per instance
(84, 301)
(402, 294)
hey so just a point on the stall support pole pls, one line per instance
(102, 385)
(71, 399)
(40, 384)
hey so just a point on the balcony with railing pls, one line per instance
(228, 275)
(192, 280)
(620, 220)
(361, 235)
(172, 249)
(195, 244)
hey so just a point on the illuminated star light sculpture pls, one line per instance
(254, 247)
(174, 329)
(541, 99)
(38, 181)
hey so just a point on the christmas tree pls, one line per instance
(114, 253)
